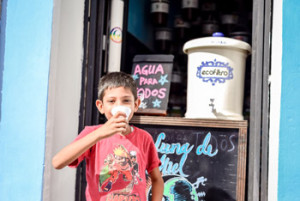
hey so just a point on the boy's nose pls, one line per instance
(119, 103)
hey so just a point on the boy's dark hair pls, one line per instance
(114, 80)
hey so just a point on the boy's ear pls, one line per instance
(99, 105)
(137, 103)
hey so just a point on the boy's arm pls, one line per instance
(157, 185)
(71, 152)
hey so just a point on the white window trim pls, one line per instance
(275, 100)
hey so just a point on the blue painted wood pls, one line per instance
(24, 99)
(289, 142)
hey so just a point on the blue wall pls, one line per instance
(289, 142)
(25, 62)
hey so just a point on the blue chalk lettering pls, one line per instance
(206, 148)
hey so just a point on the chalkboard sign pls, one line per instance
(152, 74)
(202, 160)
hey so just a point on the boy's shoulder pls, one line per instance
(143, 132)
(87, 130)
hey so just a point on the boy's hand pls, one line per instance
(116, 124)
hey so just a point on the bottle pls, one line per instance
(209, 26)
(159, 12)
(210, 23)
(189, 9)
(181, 28)
(176, 97)
(229, 16)
(163, 39)
(208, 8)
(196, 28)
(228, 22)
(241, 32)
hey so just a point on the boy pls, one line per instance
(117, 154)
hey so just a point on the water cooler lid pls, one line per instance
(217, 42)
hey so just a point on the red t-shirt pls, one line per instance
(116, 166)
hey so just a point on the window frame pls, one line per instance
(94, 65)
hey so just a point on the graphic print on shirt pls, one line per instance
(120, 171)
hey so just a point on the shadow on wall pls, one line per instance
(3, 5)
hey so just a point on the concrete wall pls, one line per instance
(64, 95)
(26, 58)
(289, 139)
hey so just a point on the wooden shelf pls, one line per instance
(173, 121)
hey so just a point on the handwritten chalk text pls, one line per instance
(206, 148)
(148, 69)
(148, 81)
(146, 92)
(168, 167)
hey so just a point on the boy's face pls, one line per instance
(116, 97)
